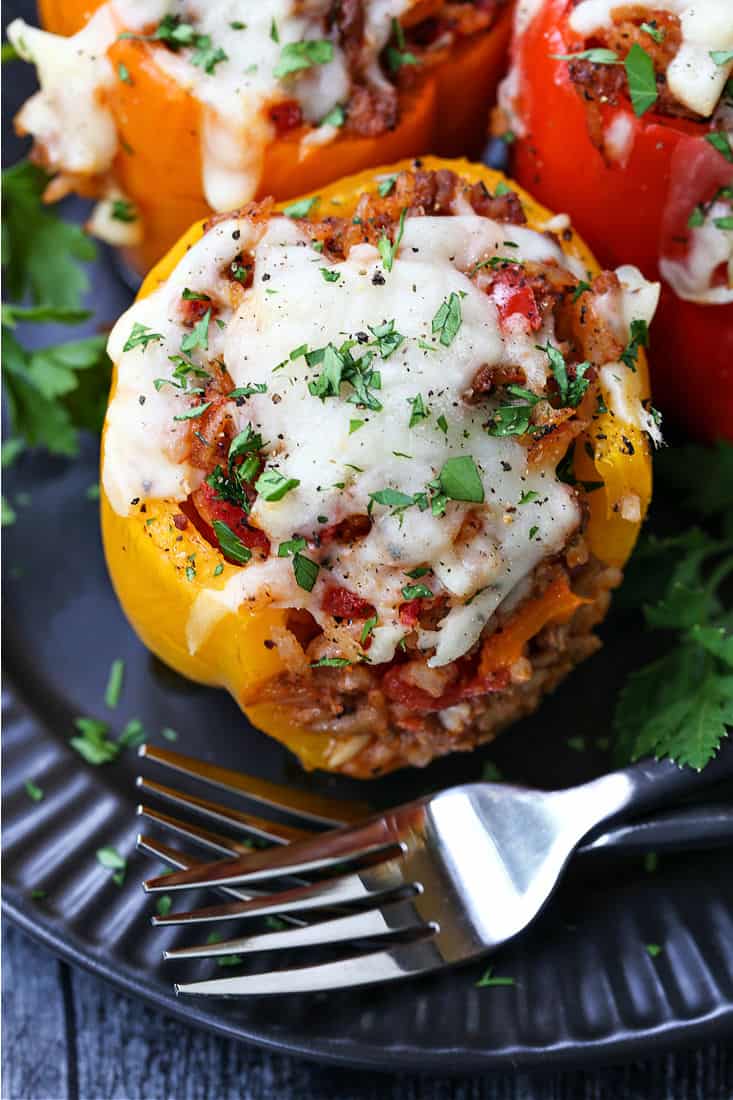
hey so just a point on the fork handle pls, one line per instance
(642, 787)
(687, 829)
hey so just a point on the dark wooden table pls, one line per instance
(69, 1036)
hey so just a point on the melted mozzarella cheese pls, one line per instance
(70, 118)
(710, 249)
(339, 465)
(706, 26)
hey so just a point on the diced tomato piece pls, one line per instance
(210, 508)
(410, 612)
(286, 116)
(515, 298)
(342, 604)
(396, 688)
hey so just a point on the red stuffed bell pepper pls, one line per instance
(622, 115)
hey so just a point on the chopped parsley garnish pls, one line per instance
(392, 498)
(720, 141)
(194, 296)
(580, 289)
(642, 79)
(330, 662)
(133, 734)
(301, 208)
(696, 218)
(198, 337)
(420, 571)
(140, 336)
(354, 425)
(178, 35)
(502, 188)
(272, 485)
(638, 338)
(533, 531)
(397, 56)
(248, 390)
(274, 34)
(511, 420)
(387, 338)
(163, 905)
(330, 276)
(231, 545)
(655, 32)
(306, 572)
(123, 73)
(386, 248)
(386, 185)
(571, 391)
(110, 858)
(653, 950)
(528, 496)
(447, 320)
(338, 366)
(114, 683)
(417, 592)
(122, 210)
(92, 742)
(33, 791)
(367, 629)
(442, 424)
(418, 410)
(168, 733)
(721, 57)
(297, 56)
(460, 480)
(598, 55)
(194, 413)
(292, 546)
(488, 978)
(335, 117)
(723, 223)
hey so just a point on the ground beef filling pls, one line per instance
(601, 84)
(403, 712)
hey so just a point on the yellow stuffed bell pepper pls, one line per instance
(184, 117)
(375, 466)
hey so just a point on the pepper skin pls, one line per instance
(625, 210)
(147, 554)
(158, 165)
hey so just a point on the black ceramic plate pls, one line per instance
(586, 988)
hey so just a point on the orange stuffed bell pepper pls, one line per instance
(374, 465)
(169, 114)
(622, 117)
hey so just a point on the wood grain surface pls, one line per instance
(68, 1036)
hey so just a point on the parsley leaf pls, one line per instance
(296, 56)
(231, 545)
(460, 480)
(386, 248)
(447, 320)
(272, 485)
(642, 79)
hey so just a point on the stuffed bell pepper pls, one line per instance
(373, 462)
(171, 109)
(623, 115)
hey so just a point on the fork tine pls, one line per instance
(334, 852)
(178, 859)
(215, 842)
(223, 815)
(392, 965)
(340, 892)
(309, 807)
(355, 926)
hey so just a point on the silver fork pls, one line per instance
(438, 881)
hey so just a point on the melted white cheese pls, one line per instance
(70, 118)
(710, 249)
(706, 26)
(338, 468)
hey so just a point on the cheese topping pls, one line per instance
(710, 250)
(342, 454)
(251, 64)
(693, 76)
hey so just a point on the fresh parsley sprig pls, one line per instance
(681, 704)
